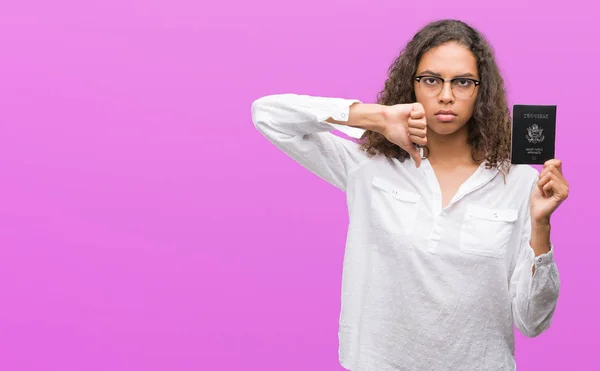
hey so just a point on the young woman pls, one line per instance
(447, 250)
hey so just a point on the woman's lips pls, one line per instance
(445, 117)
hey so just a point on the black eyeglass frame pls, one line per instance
(476, 82)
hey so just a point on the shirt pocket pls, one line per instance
(487, 231)
(393, 212)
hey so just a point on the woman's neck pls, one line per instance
(450, 150)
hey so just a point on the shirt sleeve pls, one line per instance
(534, 297)
(297, 125)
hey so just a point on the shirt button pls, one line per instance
(343, 115)
(539, 260)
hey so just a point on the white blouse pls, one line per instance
(423, 287)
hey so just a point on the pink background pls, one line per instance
(146, 225)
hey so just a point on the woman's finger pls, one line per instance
(548, 188)
(418, 140)
(417, 123)
(417, 132)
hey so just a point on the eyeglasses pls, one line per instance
(462, 87)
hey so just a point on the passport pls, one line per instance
(533, 134)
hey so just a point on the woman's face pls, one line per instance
(447, 61)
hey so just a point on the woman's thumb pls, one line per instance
(413, 151)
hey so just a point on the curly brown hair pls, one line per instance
(489, 127)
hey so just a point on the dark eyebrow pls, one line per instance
(431, 73)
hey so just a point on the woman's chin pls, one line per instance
(445, 128)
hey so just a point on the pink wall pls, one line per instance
(146, 225)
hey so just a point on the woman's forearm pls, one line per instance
(365, 116)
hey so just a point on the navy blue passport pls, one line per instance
(533, 134)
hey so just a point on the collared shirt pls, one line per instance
(424, 287)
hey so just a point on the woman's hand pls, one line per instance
(406, 126)
(551, 190)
